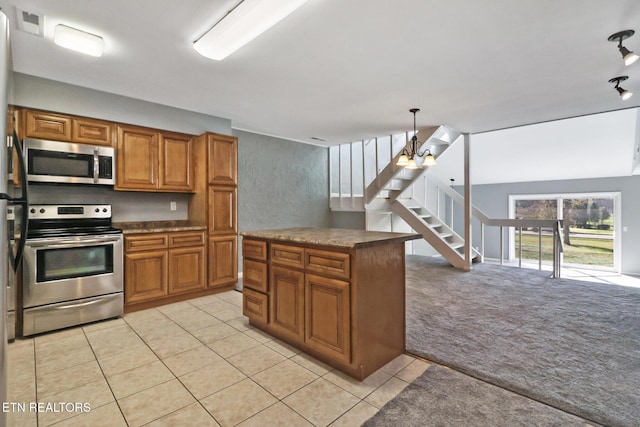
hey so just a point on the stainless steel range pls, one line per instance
(72, 267)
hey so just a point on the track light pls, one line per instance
(628, 56)
(625, 94)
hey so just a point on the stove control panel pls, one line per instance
(69, 211)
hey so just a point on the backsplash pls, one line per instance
(127, 206)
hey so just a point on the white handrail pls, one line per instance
(553, 224)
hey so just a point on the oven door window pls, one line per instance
(68, 263)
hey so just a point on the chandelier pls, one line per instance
(407, 158)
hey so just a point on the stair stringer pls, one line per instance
(440, 236)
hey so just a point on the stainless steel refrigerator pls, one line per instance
(13, 208)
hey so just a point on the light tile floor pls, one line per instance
(194, 363)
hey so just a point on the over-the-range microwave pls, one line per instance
(66, 162)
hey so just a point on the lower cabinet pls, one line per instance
(328, 319)
(286, 307)
(186, 269)
(145, 276)
(223, 261)
(342, 306)
(159, 265)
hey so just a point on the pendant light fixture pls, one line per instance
(407, 158)
(625, 94)
(628, 56)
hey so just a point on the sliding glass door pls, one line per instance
(590, 233)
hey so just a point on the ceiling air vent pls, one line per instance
(32, 23)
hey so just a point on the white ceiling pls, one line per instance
(595, 146)
(348, 70)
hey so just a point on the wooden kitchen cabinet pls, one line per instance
(222, 156)
(161, 265)
(149, 160)
(91, 131)
(145, 276)
(222, 208)
(336, 294)
(287, 304)
(42, 125)
(327, 316)
(136, 159)
(176, 162)
(215, 202)
(63, 127)
(186, 269)
(223, 261)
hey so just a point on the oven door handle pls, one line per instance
(71, 243)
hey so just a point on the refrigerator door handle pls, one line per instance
(23, 201)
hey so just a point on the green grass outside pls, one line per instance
(597, 252)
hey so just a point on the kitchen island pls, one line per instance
(336, 294)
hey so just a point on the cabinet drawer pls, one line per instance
(292, 256)
(254, 249)
(255, 306)
(254, 275)
(146, 242)
(329, 263)
(178, 240)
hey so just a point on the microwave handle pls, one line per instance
(96, 165)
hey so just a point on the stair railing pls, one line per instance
(345, 182)
(518, 224)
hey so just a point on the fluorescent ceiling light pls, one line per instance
(80, 41)
(242, 24)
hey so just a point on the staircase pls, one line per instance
(442, 238)
(386, 195)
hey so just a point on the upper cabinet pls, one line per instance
(61, 127)
(136, 159)
(222, 155)
(150, 160)
(90, 131)
(176, 162)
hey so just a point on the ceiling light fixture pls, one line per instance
(242, 24)
(78, 40)
(628, 56)
(407, 158)
(625, 94)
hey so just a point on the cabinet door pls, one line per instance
(176, 162)
(286, 311)
(223, 261)
(137, 159)
(328, 317)
(222, 210)
(223, 159)
(89, 131)
(47, 126)
(186, 269)
(145, 276)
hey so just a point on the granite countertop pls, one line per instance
(158, 226)
(338, 237)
